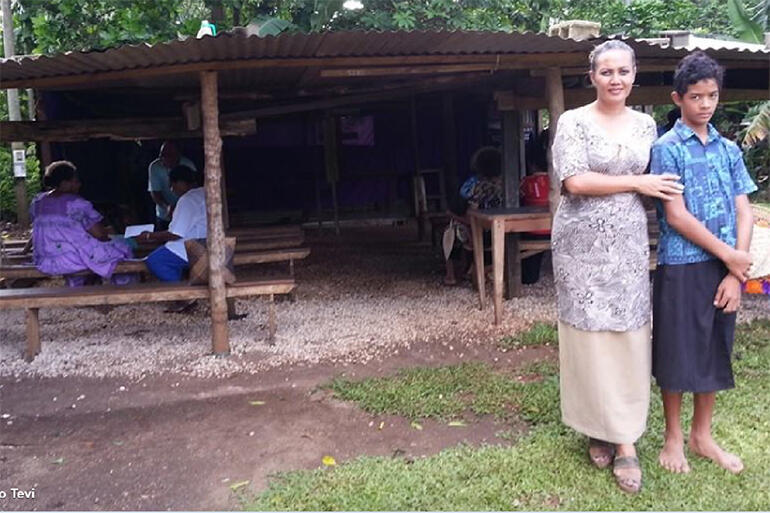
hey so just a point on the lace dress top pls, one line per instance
(600, 243)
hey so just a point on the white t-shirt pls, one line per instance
(188, 221)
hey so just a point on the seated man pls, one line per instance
(188, 221)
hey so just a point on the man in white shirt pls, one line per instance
(158, 183)
(169, 261)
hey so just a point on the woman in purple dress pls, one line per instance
(67, 233)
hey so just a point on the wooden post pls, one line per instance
(225, 208)
(511, 179)
(416, 182)
(33, 334)
(450, 181)
(331, 160)
(555, 92)
(212, 148)
(14, 114)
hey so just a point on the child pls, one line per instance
(702, 260)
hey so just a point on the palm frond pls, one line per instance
(759, 126)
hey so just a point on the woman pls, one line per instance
(600, 258)
(482, 190)
(67, 233)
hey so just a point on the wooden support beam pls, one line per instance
(451, 180)
(651, 66)
(555, 94)
(512, 172)
(118, 129)
(522, 61)
(331, 162)
(649, 95)
(212, 148)
(385, 94)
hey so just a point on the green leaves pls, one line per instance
(750, 19)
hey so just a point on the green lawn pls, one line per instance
(545, 469)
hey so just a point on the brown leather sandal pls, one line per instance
(627, 484)
(600, 452)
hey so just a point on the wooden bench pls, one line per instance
(32, 299)
(26, 270)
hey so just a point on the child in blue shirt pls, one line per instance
(702, 261)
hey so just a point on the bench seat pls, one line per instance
(27, 270)
(32, 299)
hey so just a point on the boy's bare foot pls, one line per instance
(672, 456)
(706, 447)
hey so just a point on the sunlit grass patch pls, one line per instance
(547, 468)
(540, 334)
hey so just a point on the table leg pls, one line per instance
(477, 234)
(498, 253)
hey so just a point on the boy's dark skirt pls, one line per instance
(692, 340)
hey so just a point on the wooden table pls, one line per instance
(501, 221)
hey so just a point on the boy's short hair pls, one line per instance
(696, 67)
(182, 173)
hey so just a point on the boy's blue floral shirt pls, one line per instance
(713, 174)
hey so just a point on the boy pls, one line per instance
(702, 260)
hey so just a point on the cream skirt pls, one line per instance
(605, 382)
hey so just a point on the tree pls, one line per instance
(751, 18)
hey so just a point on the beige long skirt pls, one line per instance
(605, 382)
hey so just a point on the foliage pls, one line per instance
(758, 128)
(547, 468)
(647, 18)
(751, 18)
(7, 181)
(728, 120)
(641, 18)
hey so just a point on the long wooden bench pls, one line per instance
(32, 299)
(28, 271)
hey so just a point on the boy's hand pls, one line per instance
(728, 296)
(738, 263)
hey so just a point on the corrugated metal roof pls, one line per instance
(234, 46)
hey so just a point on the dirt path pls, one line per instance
(180, 443)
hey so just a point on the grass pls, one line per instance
(540, 334)
(545, 469)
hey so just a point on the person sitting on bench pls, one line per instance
(67, 232)
(188, 221)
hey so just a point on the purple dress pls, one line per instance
(62, 244)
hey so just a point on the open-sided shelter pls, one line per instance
(421, 89)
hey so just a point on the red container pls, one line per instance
(534, 193)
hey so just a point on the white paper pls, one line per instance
(135, 229)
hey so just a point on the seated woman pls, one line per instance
(67, 232)
(483, 190)
(188, 221)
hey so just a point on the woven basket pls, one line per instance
(760, 252)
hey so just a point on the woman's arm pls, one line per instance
(665, 187)
(99, 231)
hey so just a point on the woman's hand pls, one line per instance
(738, 263)
(665, 186)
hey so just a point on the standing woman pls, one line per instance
(601, 261)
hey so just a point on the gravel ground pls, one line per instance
(364, 295)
